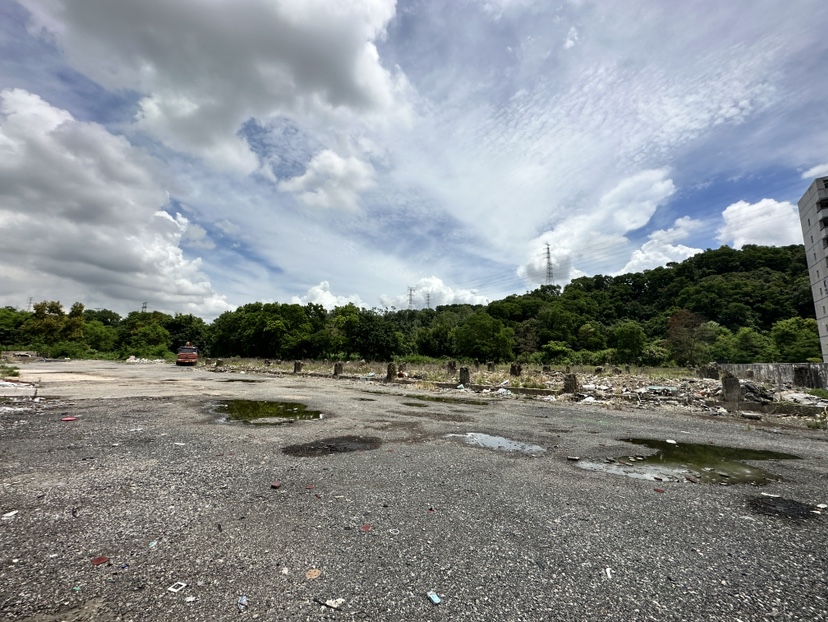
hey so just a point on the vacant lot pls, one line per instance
(151, 476)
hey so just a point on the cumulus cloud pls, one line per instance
(82, 216)
(767, 222)
(592, 241)
(321, 294)
(331, 181)
(820, 170)
(432, 292)
(204, 68)
(661, 249)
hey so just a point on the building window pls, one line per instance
(825, 183)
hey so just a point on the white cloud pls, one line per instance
(820, 170)
(660, 249)
(591, 241)
(204, 68)
(767, 222)
(195, 236)
(432, 292)
(571, 38)
(321, 294)
(81, 213)
(331, 181)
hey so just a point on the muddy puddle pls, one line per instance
(693, 462)
(783, 508)
(499, 443)
(264, 412)
(335, 445)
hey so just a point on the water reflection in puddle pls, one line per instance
(264, 412)
(488, 441)
(693, 462)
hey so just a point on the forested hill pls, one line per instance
(746, 305)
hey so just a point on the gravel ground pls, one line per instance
(151, 478)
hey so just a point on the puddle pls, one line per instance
(264, 413)
(709, 464)
(501, 443)
(447, 400)
(240, 380)
(784, 508)
(336, 445)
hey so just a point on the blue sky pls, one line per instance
(198, 155)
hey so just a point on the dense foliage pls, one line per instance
(727, 305)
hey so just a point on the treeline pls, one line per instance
(741, 306)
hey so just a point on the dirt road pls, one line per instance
(151, 476)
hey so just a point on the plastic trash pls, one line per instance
(460, 386)
(177, 587)
(277, 484)
(10, 515)
(242, 603)
(100, 560)
(313, 573)
(670, 441)
(67, 419)
(432, 596)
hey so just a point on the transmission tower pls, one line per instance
(428, 301)
(410, 297)
(144, 308)
(29, 305)
(550, 279)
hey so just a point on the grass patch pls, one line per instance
(9, 371)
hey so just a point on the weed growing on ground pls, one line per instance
(9, 371)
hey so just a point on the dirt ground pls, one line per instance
(148, 485)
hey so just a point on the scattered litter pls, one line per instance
(153, 544)
(573, 458)
(658, 489)
(396, 532)
(503, 391)
(309, 486)
(460, 386)
(432, 596)
(313, 573)
(242, 603)
(335, 603)
(179, 444)
(365, 527)
(822, 506)
(285, 570)
(767, 494)
(431, 511)
(276, 485)
(609, 572)
(177, 587)
(69, 419)
(100, 560)
(190, 599)
(10, 515)
(670, 441)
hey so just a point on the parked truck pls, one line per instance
(187, 355)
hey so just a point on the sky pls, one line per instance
(198, 155)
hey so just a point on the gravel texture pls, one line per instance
(150, 477)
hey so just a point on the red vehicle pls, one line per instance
(187, 355)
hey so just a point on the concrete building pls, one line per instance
(813, 216)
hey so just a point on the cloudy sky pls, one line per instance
(197, 155)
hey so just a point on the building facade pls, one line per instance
(813, 216)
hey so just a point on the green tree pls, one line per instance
(484, 338)
(629, 340)
(797, 340)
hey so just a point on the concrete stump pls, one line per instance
(490, 366)
(749, 373)
(401, 367)
(515, 369)
(451, 367)
(570, 384)
(339, 368)
(267, 362)
(391, 374)
(731, 390)
(627, 369)
(567, 370)
(464, 376)
(599, 370)
(297, 366)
